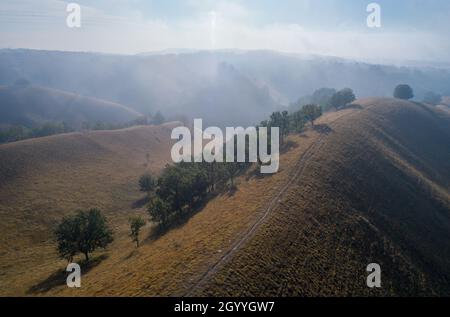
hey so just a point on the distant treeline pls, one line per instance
(21, 132)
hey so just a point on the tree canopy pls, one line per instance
(342, 98)
(404, 92)
(83, 233)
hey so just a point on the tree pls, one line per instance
(280, 120)
(312, 112)
(404, 92)
(297, 121)
(136, 223)
(322, 97)
(342, 98)
(83, 233)
(147, 183)
(159, 211)
(432, 98)
(158, 118)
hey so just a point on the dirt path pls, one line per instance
(311, 150)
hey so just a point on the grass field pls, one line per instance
(374, 188)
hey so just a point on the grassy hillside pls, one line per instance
(376, 189)
(43, 179)
(369, 184)
(32, 106)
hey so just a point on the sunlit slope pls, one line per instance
(43, 179)
(376, 190)
(369, 184)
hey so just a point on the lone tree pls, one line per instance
(147, 183)
(404, 92)
(136, 224)
(342, 98)
(83, 233)
(312, 112)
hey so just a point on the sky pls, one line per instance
(410, 29)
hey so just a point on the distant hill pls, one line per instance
(196, 82)
(32, 106)
(445, 104)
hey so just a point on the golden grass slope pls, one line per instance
(169, 265)
(43, 179)
(375, 188)
(376, 191)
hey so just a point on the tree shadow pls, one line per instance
(232, 191)
(141, 202)
(287, 146)
(323, 129)
(352, 106)
(180, 219)
(58, 278)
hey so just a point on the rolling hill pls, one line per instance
(376, 189)
(32, 106)
(196, 83)
(370, 183)
(43, 179)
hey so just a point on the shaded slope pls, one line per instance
(32, 106)
(376, 190)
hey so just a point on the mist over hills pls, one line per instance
(32, 106)
(224, 87)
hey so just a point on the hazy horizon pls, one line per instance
(409, 31)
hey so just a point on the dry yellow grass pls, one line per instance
(377, 176)
(165, 266)
(44, 179)
(376, 190)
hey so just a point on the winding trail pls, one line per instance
(301, 164)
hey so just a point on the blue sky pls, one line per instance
(411, 29)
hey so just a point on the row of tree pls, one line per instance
(326, 99)
(19, 132)
(176, 192)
